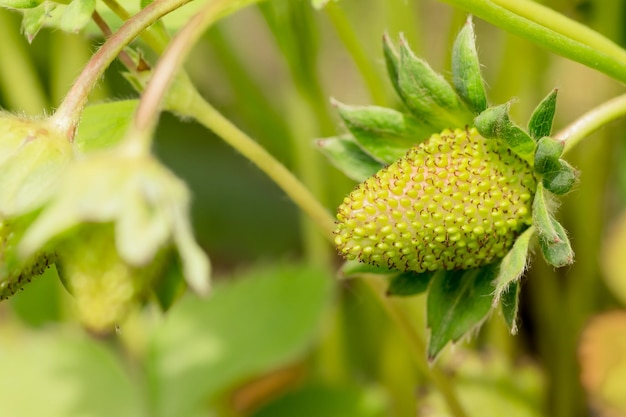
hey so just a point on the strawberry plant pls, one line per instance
(413, 255)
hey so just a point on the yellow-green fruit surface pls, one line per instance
(455, 201)
(105, 287)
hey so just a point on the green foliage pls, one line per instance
(69, 374)
(204, 347)
(279, 340)
(325, 401)
(409, 283)
(467, 78)
(458, 301)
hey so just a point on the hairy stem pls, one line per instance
(210, 118)
(68, 114)
(156, 41)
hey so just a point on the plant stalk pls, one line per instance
(67, 116)
(558, 39)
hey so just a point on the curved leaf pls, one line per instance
(458, 302)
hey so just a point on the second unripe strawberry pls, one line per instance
(455, 201)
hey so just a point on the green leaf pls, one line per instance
(60, 375)
(76, 15)
(540, 123)
(104, 125)
(326, 401)
(557, 252)
(384, 133)
(466, 75)
(206, 345)
(495, 123)
(509, 303)
(547, 155)
(355, 267)
(171, 285)
(458, 301)
(427, 94)
(347, 156)
(514, 263)
(560, 180)
(409, 283)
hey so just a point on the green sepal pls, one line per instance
(542, 216)
(559, 252)
(553, 239)
(540, 123)
(561, 180)
(20, 4)
(34, 19)
(348, 157)
(458, 302)
(466, 76)
(509, 305)
(409, 283)
(547, 155)
(514, 263)
(384, 133)
(355, 268)
(15, 271)
(76, 15)
(427, 94)
(171, 285)
(495, 123)
(392, 60)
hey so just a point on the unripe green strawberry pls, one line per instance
(105, 287)
(455, 201)
(14, 272)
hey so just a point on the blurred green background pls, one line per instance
(270, 346)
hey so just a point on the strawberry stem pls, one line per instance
(68, 114)
(210, 118)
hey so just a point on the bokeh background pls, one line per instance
(271, 69)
